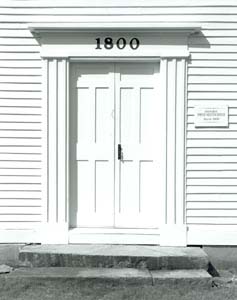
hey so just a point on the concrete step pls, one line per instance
(125, 276)
(114, 256)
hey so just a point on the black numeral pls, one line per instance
(134, 43)
(121, 43)
(98, 44)
(109, 43)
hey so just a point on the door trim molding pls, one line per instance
(56, 136)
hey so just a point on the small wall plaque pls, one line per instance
(211, 116)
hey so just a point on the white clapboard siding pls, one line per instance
(20, 103)
(194, 70)
(212, 151)
(20, 79)
(33, 71)
(210, 205)
(20, 172)
(20, 218)
(222, 175)
(211, 167)
(20, 202)
(19, 49)
(225, 134)
(210, 79)
(213, 220)
(211, 170)
(211, 197)
(212, 87)
(20, 179)
(212, 159)
(212, 181)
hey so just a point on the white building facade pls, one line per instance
(118, 122)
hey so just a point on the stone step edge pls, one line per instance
(48, 259)
(125, 275)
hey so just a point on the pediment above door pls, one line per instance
(81, 39)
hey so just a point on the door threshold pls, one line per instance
(114, 236)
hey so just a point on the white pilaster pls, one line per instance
(173, 230)
(55, 221)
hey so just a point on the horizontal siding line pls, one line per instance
(39, 75)
(21, 59)
(212, 147)
(191, 128)
(15, 107)
(15, 190)
(209, 67)
(197, 75)
(18, 114)
(20, 146)
(21, 137)
(211, 201)
(197, 84)
(208, 21)
(23, 130)
(20, 183)
(38, 176)
(198, 209)
(19, 206)
(211, 138)
(12, 51)
(19, 168)
(117, 14)
(212, 217)
(192, 177)
(209, 223)
(19, 160)
(19, 122)
(22, 98)
(198, 185)
(212, 162)
(18, 221)
(21, 68)
(29, 199)
(210, 193)
(14, 214)
(211, 155)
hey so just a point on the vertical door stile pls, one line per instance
(117, 140)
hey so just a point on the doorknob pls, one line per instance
(120, 152)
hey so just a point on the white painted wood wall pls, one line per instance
(211, 155)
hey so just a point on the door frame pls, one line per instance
(173, 72)
(120, 235)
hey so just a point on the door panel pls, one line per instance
(138, 110)
(95, 145)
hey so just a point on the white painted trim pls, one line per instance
(114, 236)
(54, 233)
(173, 71)
(212, 235)
(184, 28)
(173, 235)
(20, 236)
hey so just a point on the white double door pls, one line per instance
(118, 145)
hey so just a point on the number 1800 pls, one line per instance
(120, 43)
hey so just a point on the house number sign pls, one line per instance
(120, 43)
